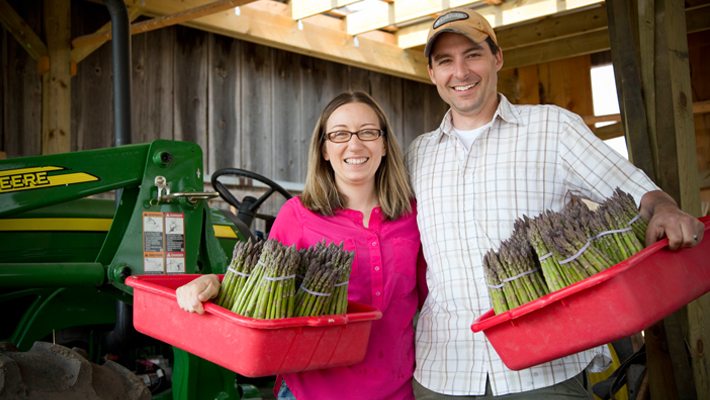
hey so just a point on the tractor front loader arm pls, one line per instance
(159, 223)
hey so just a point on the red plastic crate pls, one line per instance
(619, 302)
(251, 347)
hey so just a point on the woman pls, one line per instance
(356, 192)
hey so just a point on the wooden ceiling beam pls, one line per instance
(380, 15)
(80, 53)
(552, 28)
(29, 40)
(697, 18)
(506, 14)
(306, 8)
(278, 31)
(163, 21)
(592, 42)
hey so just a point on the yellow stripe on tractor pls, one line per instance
(81, 225)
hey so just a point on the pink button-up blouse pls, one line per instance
(389, 273)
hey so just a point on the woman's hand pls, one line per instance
(191, 296)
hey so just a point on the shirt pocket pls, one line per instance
(405, 256)
(351, 246)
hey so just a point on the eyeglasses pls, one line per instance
(366, 135)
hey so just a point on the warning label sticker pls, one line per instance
(153, 243)
(163, 243)
(175, 243)
(153, 232)
(153, 264)
(176, 263)
(174, 232)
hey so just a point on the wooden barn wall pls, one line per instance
(248, 106)
(699, 56)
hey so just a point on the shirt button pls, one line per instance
(471, 243)
(377, 293)
(468, 178)
(377, 268)
(374, 244)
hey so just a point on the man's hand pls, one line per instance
(667, 220)
(191, 296)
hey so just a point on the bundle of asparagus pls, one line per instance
(245, 256)
(269, 291)
(567, 246)
(513, 273)
(316, 289)
(339, 262)
(263, 278)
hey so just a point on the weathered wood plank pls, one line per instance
(699, 58)
(415, 122)
(508, 85)
(22, 128)
(13, 22)
(578, 85)
(92, 89)
(552, 28)
(628, 89)
(56, 84)
(586, 43)
(79, 53)
(289, 162)
(529, 85)
(190, 88)
(154, 117)
(224, 132)
(256, 127)
(139, 96)
(314, 97)
(673, 30)
(358, 79)
(387, 91)
(161, 22)
(661, 381)
(434, 107)
(335, 80)
(552, 83)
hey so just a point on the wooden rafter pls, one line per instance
(163, 21)
(381, 15)
(253, 24)
(588, 43)
(697, 18)
(306, 8)
(506, 14)
(529, 32)
(19, 29)
(553, 28)
(80, 53)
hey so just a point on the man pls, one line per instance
(489, 163)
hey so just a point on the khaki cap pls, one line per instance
(463, 21)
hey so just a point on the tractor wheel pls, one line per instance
(52, 372)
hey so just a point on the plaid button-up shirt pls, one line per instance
(527, 161)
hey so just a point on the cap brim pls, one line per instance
(475, 36)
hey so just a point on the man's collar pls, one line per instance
(505, 111)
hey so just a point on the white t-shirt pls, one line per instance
(468, 137)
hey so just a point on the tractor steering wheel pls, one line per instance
(249, 205)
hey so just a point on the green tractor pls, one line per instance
(64, 258)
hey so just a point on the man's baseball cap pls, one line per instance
(463, 21)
